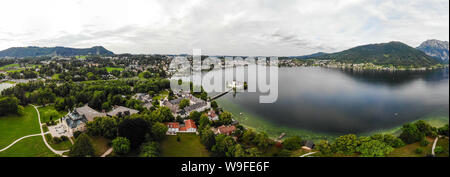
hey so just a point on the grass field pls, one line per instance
(100, 145)
(55, 76)
(444, 143)
(409, 150)
(65, 145)
(109, 69)
(44, 111)
(13, 127)
(5, 67)
(28, 147)
(189, 146)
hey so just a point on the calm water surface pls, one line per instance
(336, 101)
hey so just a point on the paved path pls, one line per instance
(434, 145)
(307, 154)
(107, 152)
(43, 136)
(18, 141)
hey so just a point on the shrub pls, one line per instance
(419, 151)
(121, 145)
(64, 138)
(292, 143)
(76, 134)
(438, 149)
(56, 140)
(424, 142)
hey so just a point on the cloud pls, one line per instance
(232, 27)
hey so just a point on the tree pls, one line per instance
(292, 143)
(162, 114)
(195, 116)
(184, 103)
(159, 131)
(374, 148)
(207, 137)
(253, 152)
(239, 151)
(411, 134)
(426, 128)
(9, 105)
(393, 141)
(248, 136)
(225, 118)
(133, 129)
(262, 140)
(204, 121)
(224, 146)
(214, 104)
(82, 147)
(324, 147)
(149, 149)
(347, 144)
(121, 145)
(102, 126)
(443, 130)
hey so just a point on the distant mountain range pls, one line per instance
(435, 48)
(53, 51)
(395, 53)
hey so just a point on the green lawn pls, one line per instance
(100, 145)
(109, 69)
(443, 142)
(65, 145)
(409, 150)
(55, 76)
(9, 66)
(189, 146)
(13, 127)
(44, 111)
(28, 147)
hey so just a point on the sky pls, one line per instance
(221, 27)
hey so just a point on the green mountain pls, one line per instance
(395, 53)
(53, 51)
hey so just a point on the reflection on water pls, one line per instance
(335, 101)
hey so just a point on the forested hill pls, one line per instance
(53, 51)
(395, 53)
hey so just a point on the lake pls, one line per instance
(334, 102)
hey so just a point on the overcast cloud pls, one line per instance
(225, 27)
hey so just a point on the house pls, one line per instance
(212, 116)
(120, 110)
(226, 130)
(308, 145)
(77, 119)
(145, 98)
(175, 127)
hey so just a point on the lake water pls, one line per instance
(333, 101)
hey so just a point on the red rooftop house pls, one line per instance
(174, 127)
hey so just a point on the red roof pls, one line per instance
(212, 113)
(189, 124)
(172, 124)
(226, 129)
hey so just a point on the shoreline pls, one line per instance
(257, 123)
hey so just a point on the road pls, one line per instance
(307, 154)
(434, 145)
(107, 152)
(7, 147)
